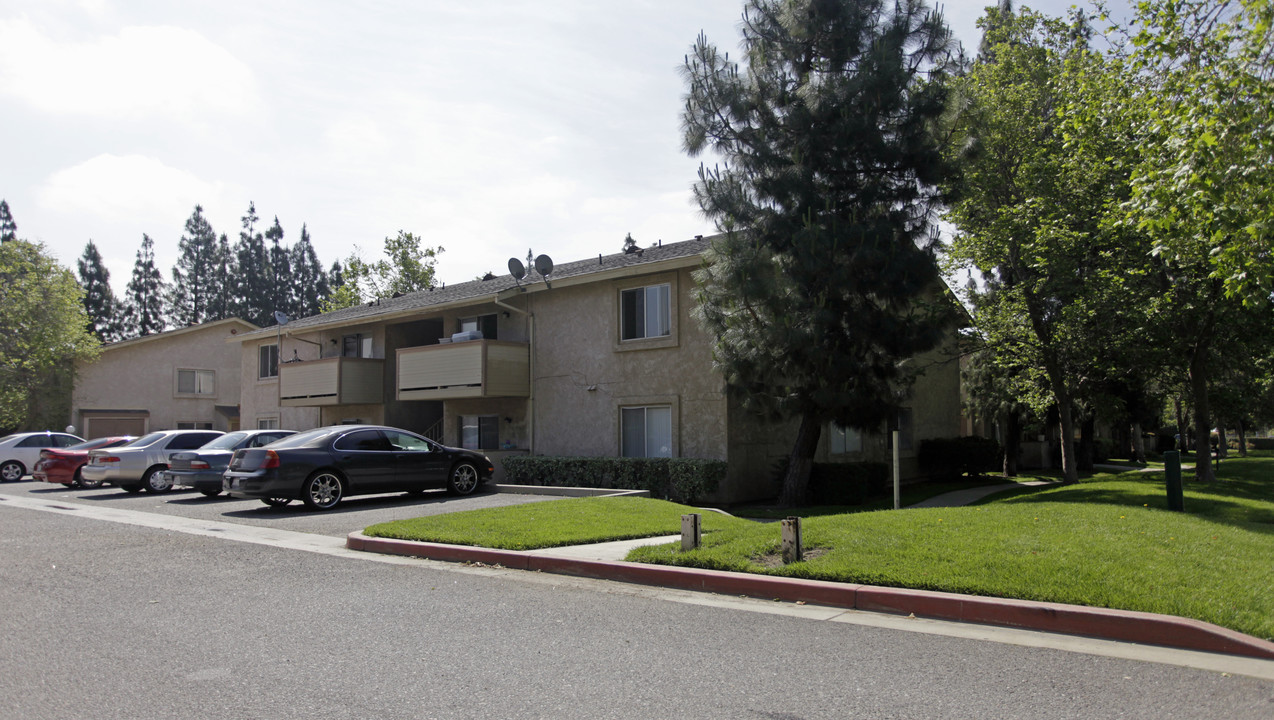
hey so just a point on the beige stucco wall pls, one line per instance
(141, 375)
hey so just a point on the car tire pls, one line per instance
(463, 480)
(322, 490)
(131, 488)
(77, 480)
(12, 471)
(276, 502)
(85, 483)
(210, 493)
(154, 486)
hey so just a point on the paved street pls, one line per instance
(113, 620)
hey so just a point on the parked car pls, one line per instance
(134, 466)
(62, 465)
(21, 451)
(201, 469)
(319, 467)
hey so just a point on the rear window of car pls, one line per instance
(227, 441)
(190, 441)
(302, 439)
(147, 440)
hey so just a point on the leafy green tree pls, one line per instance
(309, 280)
(341, 294)
(43, 333)
(100, 304)
(8, 228)
(144, 297)
(194, 276)
(406, 267)
(814, 291)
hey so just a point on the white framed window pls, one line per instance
(843, 440)
(645, 312)
(196, 382)
(268, 423)
(267, 362)
(646, 431)
(485, 324)
(480, 432)
(193, 425)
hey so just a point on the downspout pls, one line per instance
(530, 400)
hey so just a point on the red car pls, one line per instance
(62, 465)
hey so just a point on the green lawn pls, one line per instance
(1108, 542)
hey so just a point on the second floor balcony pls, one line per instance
(332, 381)
(473, 369)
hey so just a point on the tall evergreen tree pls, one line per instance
(144, 298)
(813, 292)
(100, 303)
(8, 228)
(309, 280)
(194, 274)
(252, 301)
(282, 292)
(221, 300)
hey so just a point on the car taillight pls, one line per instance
(107, 459)
(199, 465)
(271, 460)
(45, 455)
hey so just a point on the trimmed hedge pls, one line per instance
(946, 459)
(683, 480)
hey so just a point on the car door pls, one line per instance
(366, 460)
(420, 463)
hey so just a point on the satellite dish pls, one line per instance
(517, 269)
(280, 317)
(544, 265)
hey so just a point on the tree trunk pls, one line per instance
(1012, 442)
(1202, 417)
(796, 482)
(1181, 426)
(1242, 438)
(1223, 445)
(1138, 444)
(1087, 454)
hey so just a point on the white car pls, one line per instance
(140, 464)
(21, 451)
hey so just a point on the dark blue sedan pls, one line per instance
(321, 466)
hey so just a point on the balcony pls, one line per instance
(472, 369)
(332, 381)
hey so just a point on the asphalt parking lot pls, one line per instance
(354, 513)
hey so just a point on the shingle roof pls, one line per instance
(483, 288)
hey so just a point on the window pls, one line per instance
(371, 440)
(356, 346)
(480, 432)
(268, 423)
(486, 324)
(646, 431)
(645, 312)
(267, 361)
(399, 440)
(845, 440)
(194, 425)
(190, 441)
(196, 382)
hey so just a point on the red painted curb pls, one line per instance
(1124, 625)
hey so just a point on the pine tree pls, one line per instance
(144, 298)
(252, 300)
(8, 228)
(814, 291)
(281, 291)
(100, 303)
(194, 274)
(309, 280)
(222, 289)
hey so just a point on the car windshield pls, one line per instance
(145, 440)
(226, 442)
(301, 439)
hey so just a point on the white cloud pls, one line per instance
(140, 73)
(122, 188)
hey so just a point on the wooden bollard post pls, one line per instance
(691, 531)
(793, 546)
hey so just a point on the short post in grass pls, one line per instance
(793, 545)
(1172, 472)
(691, 531)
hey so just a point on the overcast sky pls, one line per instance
(488, 128)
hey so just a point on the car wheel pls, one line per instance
(131, 488)
(89, 484)
(156, 482)
(210, 493)
(76, 479)
(463, 480)
(322, 491)
(12, 471)
(276, 502)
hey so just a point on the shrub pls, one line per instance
(683, 480)
(946, 459)
(1261, 443)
